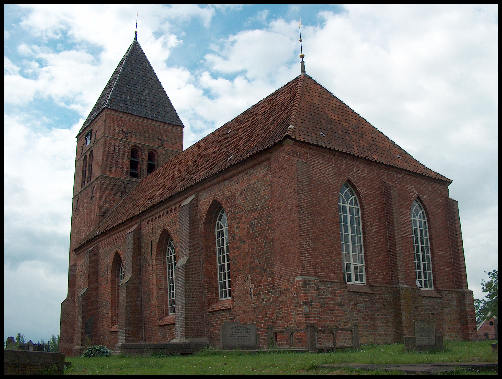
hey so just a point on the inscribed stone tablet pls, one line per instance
(425, 333)
(238, 336)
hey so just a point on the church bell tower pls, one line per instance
(132, 129)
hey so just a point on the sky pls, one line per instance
(424, 75)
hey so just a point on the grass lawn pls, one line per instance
(215, 362)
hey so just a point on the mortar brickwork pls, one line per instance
(280, 193)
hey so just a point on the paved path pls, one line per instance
(419, 368)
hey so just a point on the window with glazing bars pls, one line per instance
(351, 236)
(171, 265)
(121, 273)
(222, 256)
(423, 266)
(119, 276)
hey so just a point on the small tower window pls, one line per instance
(89, 167)
(84, 170)
(151, 164)
(134, 163)
(88, 137)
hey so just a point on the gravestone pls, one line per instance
(425, 337)
(238, 336)
(425, 333)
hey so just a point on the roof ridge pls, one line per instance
(121, 65)
(294, 110)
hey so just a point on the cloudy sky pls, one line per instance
(426, 76)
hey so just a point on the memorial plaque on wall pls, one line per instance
(425, 334)
(238, 336)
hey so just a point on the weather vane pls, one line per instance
(301, 48)
(136, 31)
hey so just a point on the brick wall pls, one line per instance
(285, 252)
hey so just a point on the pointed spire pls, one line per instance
(302, 67)
(134, 88)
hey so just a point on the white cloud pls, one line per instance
(24, 49)
(261, 17)
(257, 53)
(480, 246)
(9, 67)
(18, 90)
(33, 294)
(74, 78)
(184, 12)
(38, 175)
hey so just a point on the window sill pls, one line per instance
(220, 305)
(359, 288)
(168, 320)
(114, 328)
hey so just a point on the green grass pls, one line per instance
(214, 362)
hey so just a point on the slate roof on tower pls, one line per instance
(302, 110)
(135, 88)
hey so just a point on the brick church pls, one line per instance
(295, 216)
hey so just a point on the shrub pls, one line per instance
(96, 351)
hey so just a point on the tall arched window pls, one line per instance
(171, 265)
(351, 235)
(423, 267)
(134, 163)
(89, 169)
(222, 256)
(117, 275)
(151, 164)
(84, 170)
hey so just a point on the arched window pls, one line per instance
(423, 267)
(117, 275)
(151, 164)
(134, 163)
(84, 169)
(121, 272)
(89, 169)
(171, 265)
(222, 256)
(351, 236)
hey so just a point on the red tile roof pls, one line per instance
(317, 117)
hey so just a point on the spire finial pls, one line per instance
(301, 47)
(136, 31)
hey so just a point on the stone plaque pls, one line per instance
(238, 336)
(425, 334)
